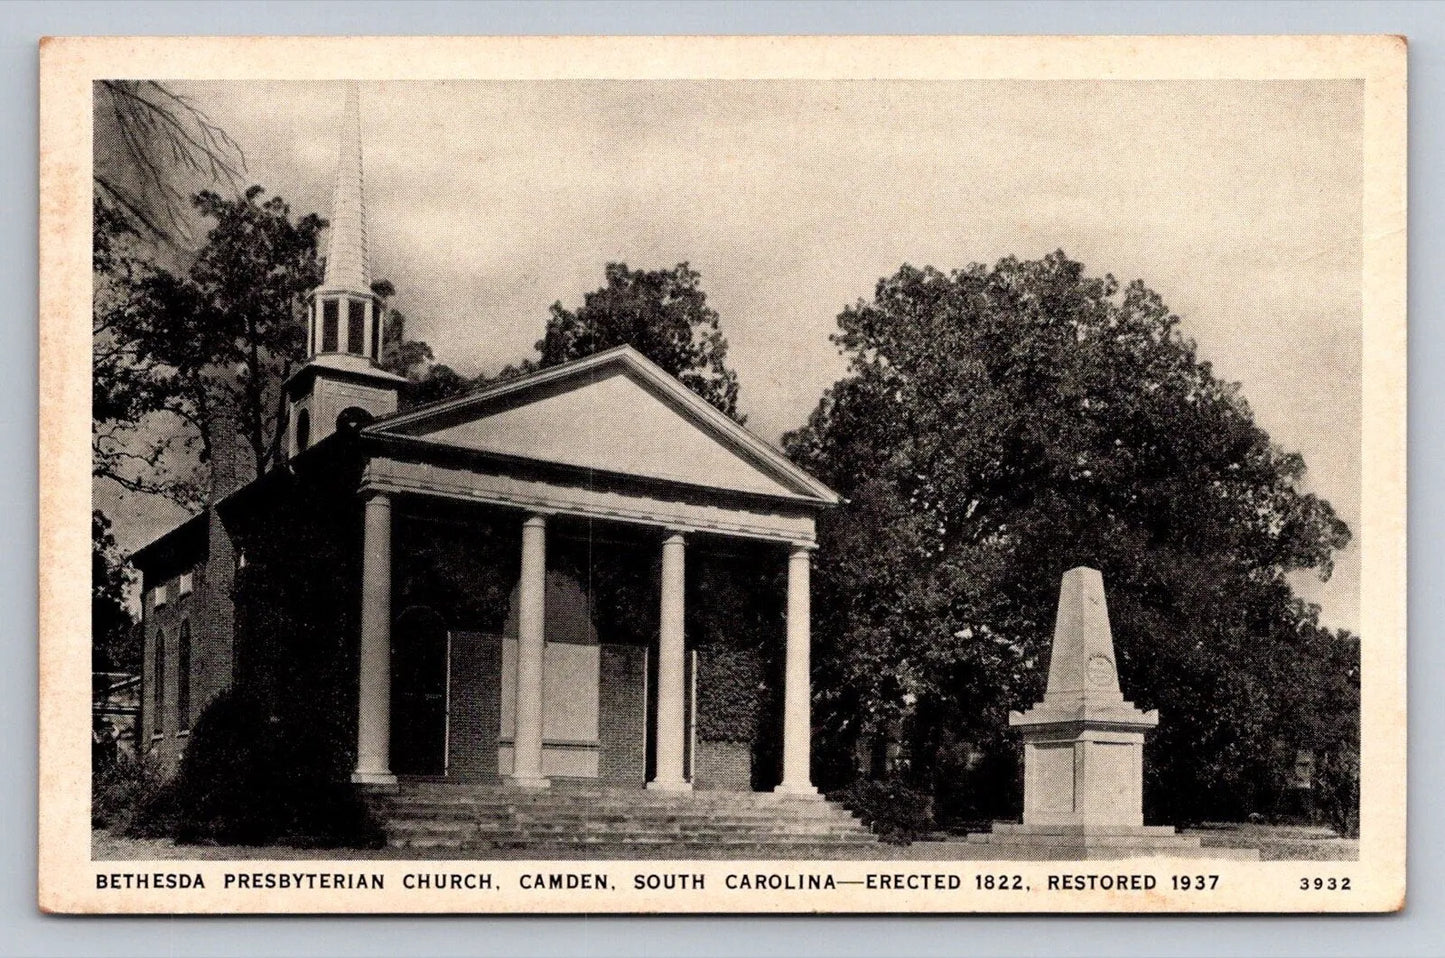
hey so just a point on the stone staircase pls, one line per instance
(588, 820)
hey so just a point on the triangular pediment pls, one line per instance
(617, 413)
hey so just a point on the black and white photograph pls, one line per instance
(718, 477)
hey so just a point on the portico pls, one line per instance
(611, 439)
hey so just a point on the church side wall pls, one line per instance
(214, 631)
(161, 729)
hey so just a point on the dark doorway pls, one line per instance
(419, 693)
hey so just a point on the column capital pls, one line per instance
(535, 520)
(673, 536)
(370, 494)
(802, 548)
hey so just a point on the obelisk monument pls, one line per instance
(1084, 753)
(1083, 744)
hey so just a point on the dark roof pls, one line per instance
(189, 539)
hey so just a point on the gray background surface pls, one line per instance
(1420, 931)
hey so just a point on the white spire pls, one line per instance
(347, 268)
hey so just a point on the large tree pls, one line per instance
(664, 315)
(998, 426)
(182, 356)
(429, 380)
(115, 641)
(153, 145)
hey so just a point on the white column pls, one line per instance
(373, 714)
(531, 618)
(670, 671)
(797, 682)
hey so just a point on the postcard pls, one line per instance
(722, 475)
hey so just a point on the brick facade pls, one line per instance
(724, 766)
(622, 714)
(474, 561)
(475, 710)
(475, 715)
(201, 548)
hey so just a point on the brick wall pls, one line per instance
(724, 766)
(159, 699)
(213, 632)
(475, 716)
(622, 714)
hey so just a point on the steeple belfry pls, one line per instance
(342, 382)
(347, 268)
(344, 316)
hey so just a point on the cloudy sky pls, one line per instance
(1238, 201)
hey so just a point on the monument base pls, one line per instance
(1097, 842)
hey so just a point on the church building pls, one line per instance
(512, 584)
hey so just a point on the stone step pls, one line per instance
(509, 841)
(775, 806)
(464, 810)
(1087, 841)
(1064, 851)
(410, 830)
(634, 821)
(1091, 829)
(699, 796)
(639, 841)
(610, 820)
(630, 822)
(622, 851)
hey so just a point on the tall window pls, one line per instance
(329, 321)
(183, 677)
(160, 682)
(355, 327)
(375, 335)
(303, 430)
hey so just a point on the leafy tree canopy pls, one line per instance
(664, 315)
(413, 359)
(185, 359)
(115, 645)
(1000, 426)
(180, 353)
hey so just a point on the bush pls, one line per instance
(251, 778)
(897, 812)
(125, 794)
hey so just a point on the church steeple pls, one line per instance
(342, 383)
(344, 317)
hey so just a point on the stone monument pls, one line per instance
(1084, 751)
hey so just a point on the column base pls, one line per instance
(656, 786)
(520, 781)
(376, 780)
(805, 790)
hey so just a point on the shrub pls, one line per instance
(730, 693)
(896, 811)
(253, 778)
(125, 793)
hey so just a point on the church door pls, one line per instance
(419, 656)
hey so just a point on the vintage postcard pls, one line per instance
(651, 475)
